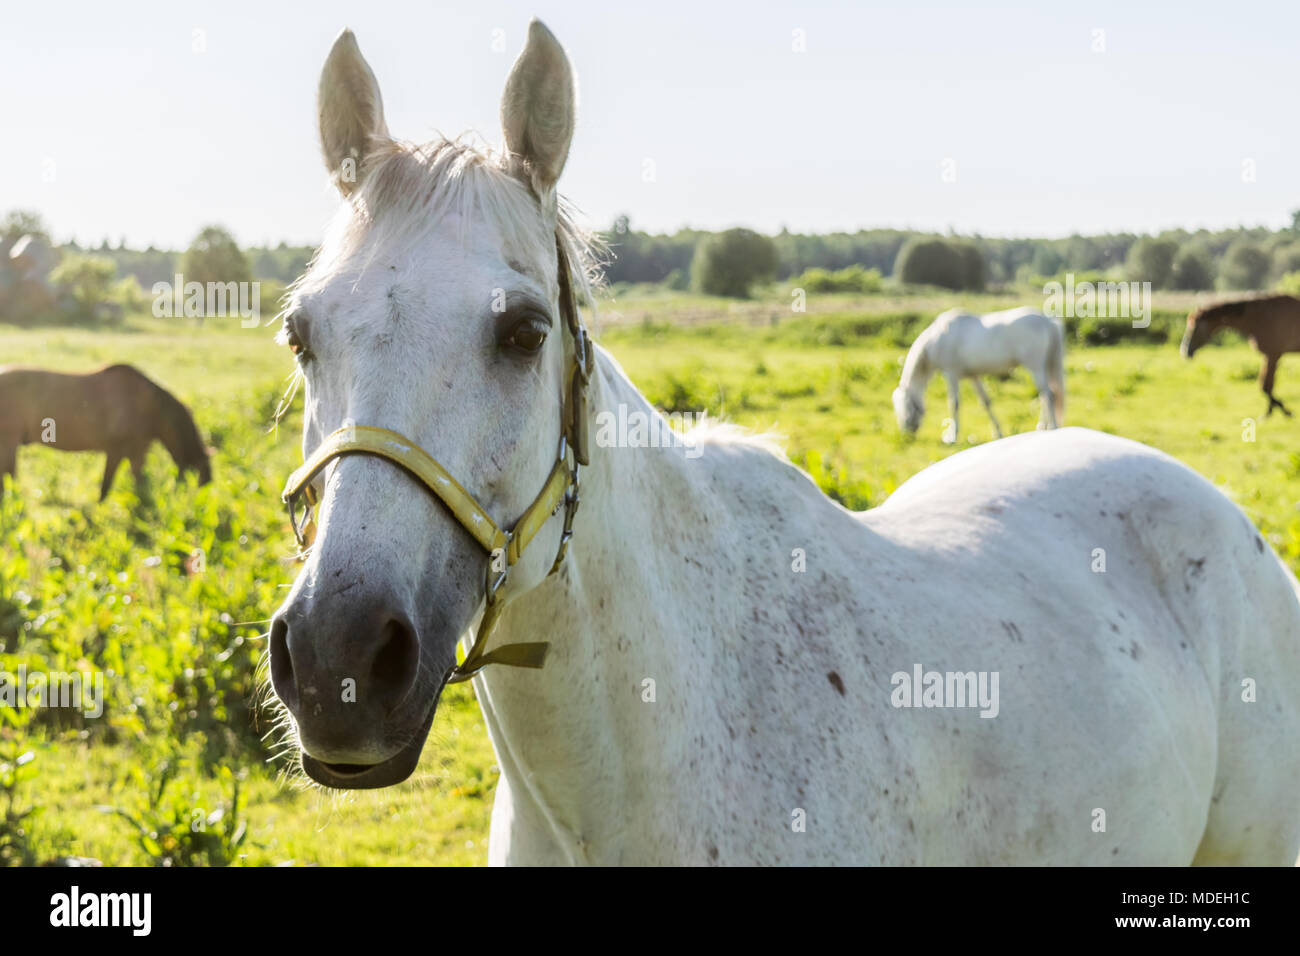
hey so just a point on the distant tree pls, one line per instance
(127, 293)
(1245, 266)
(972, 266)
(266, 264)
(730, 263)
(1285, 259)
(214, 256)
(84, 283)
(1047, 261)
(941, 262)
(1191, 270)
(1083, 254)
(1152, 260)
(22, 222)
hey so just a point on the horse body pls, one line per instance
(1271, 323)
(960, 345)
(772, 688)
(725, 639)
(116, 410)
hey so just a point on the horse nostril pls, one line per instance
(282, 678)
(397, 661)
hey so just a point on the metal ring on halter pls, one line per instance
(494, 584)
(299, 527)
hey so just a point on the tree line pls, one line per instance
(1230, 259)
(733, 262)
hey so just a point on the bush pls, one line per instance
(941, 262)
(729, 263)
(1245, 266)
(850, 279)
(679, 280)
(1290, 283)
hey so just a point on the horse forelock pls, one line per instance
(408, 191)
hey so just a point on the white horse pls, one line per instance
(962, 345)
(740, 670)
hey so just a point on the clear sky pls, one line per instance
(113, 125)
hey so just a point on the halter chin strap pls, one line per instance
(504, 547)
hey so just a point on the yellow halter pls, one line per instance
(504, 547)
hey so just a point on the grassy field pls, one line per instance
(114, 587)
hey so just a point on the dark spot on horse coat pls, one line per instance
(836, 682)
(1259, 544)
(713, 853)
(1012, 631)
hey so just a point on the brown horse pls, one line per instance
(1272, 323)
(116, 410)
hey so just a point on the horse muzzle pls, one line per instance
(348, 670)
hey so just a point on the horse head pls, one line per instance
(1202, 323)
(433, 311)
(909, 409)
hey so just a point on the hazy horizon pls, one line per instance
(132, 125)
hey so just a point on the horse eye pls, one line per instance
(527, 337)
(297, 346)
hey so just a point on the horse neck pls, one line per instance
(170, 429)
(917, 369)
(628, 607)
(1242, 322)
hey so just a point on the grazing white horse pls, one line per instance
(1034, 652)
(962, 345)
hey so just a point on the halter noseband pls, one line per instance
(504, 547)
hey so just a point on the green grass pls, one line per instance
(106, 586)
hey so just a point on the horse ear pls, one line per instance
(351, 112)
(537, 112)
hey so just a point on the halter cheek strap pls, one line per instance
(504, 547)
